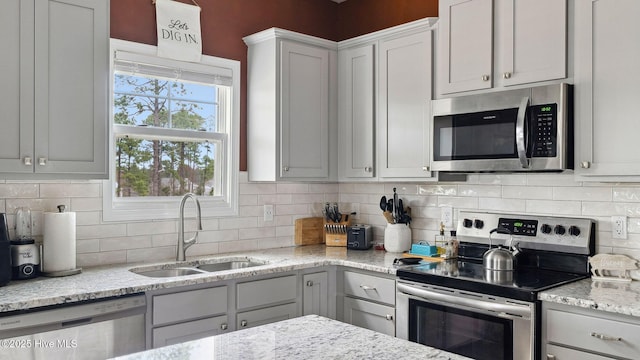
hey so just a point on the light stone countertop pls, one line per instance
(308, 337)
(614, 297)
(116, 280)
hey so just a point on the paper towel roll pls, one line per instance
(59, 242)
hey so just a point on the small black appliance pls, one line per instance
(359, 237)
(5, 251)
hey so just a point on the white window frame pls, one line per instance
(124, 209)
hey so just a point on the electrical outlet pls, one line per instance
(446, 216)
(619, 227)
(268, 213)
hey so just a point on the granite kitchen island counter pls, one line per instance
(308, 337)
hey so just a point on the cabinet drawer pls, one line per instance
(582, 331)
(562, 353)
(370, 287)
(189, 305)
(265, 292)
(268, 315)
(192, 330)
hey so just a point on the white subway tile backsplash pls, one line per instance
(100, 242)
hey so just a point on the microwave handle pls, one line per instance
(521, 147)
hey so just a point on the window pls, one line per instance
(174, 130)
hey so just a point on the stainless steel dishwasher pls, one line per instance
(89, 330)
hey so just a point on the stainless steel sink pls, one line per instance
(228, 265)
(161, 273)
(196, 268)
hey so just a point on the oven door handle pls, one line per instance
(506, 309)
(521, 146)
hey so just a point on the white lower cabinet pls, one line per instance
(369, 315)
(571, 332)
(315, 294)
(369, 301)
(188, 315)
(266, 301)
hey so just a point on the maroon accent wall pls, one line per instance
(225, 22)
(359, 17)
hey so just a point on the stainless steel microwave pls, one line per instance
(509, 131)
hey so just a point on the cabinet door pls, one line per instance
(532, 49)
(71, 77)
(466, 51)
(403, 112)
(370, 315)
(16, 92)
(268, 315)
(192, 330)
(356, 112)
(304, 111)
(315, 294)
(268, 291)
(607, 74)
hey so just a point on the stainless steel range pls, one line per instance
(462, 307)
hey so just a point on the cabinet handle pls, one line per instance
(605, 337)
(367, 288)
(224, 326)
(485, 77)
(243, 323)
(507, 75)
(368, 169)
(285, 168)
(42, 161)
(388, 317)
(425, 168)
(309, 283)
(585, 164)
(551, 357)
(27, 161)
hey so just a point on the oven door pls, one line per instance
(469, 324)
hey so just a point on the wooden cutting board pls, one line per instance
(425, 258)
(309, 231)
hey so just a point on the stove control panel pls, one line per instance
(572, 235)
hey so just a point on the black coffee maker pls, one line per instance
(5, 251)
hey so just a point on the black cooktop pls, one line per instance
(524, 283)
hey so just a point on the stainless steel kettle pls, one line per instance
(500, 258)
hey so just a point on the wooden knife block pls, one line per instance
(335, 233)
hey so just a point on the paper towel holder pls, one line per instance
(61, 209)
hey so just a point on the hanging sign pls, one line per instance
(179, 33)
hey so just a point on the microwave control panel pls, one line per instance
(544, 125)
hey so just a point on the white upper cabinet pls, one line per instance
(54, 93)
(533, 36)
(607, 74)
(292, 110)
(465, 45)
(404, 78)
(385, 82)
(494, 43)
(356, 112)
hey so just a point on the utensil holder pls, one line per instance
(335, 233)
(397, 238)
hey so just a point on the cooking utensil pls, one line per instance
(388, 216)
(395, 205)
(383, 203)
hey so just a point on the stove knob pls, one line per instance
(559, 229)
(545, 228)
(478, 224)
(467, 223)
(574, 230)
